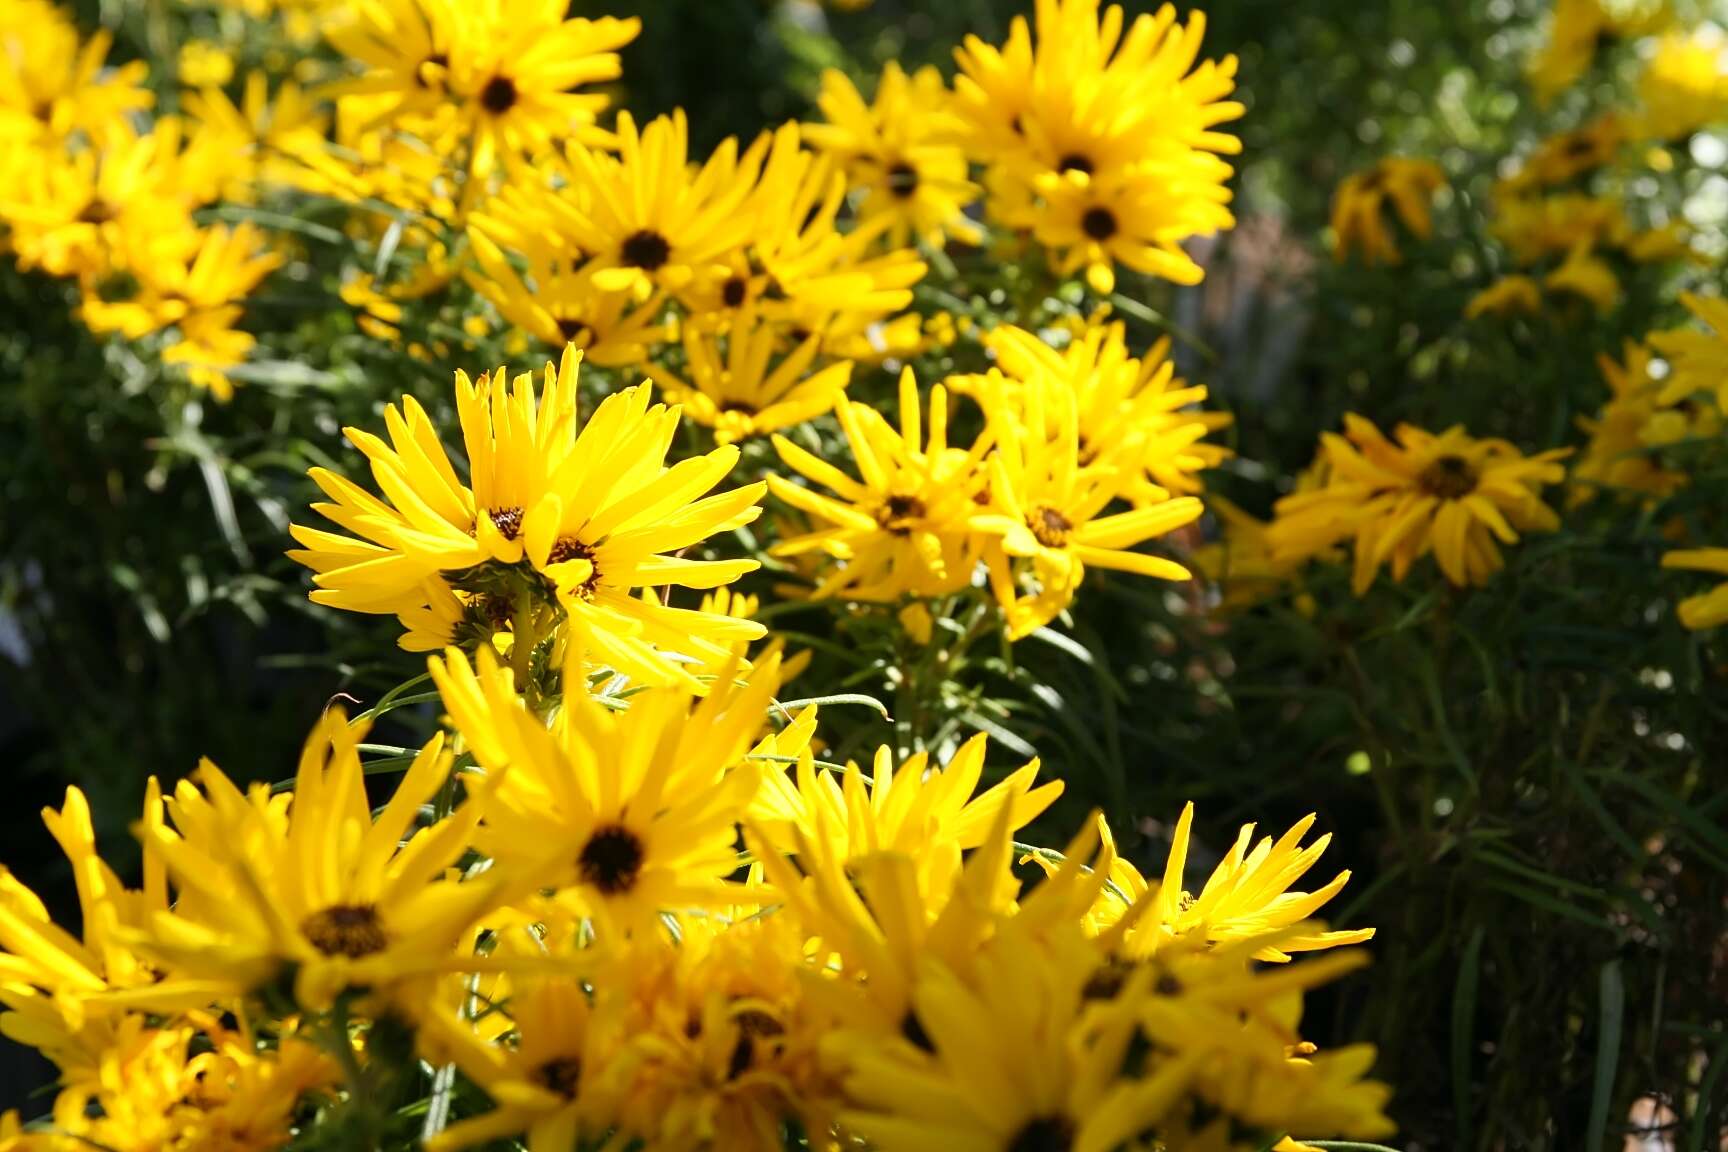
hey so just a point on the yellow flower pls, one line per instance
(1684, 87)
(508, 68)
(1044, 510)
(1248, 894)
(902, 151)
(514, 71)
(1535, 228)
(554, 518)
(1710, 608)
(1359, 222)
(309, 889)
(546, 1084)
(630, 812)
(879, 922)
(1447, 494)
(1079, 95)
(1135, 217)
(928, 814)
(1586, 276)
(1135, 413)
(201, 1087)
(205, 64)
(1568, 155)
(90, 212)
(1018, 1059)
(271, 135)
(1511, 295)
(798, 270)
(902, 527)
(559, 305)
(645, 219)
(1240, 562)
(738, 393)
(1632, 425)
(722, 1037)
(51, 982)
(1035, 1044)
(1101, 142)
(1698, 361)
(52, 85)
(1575, 31)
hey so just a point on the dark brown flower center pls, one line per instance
(1045, 1134)
(1098, 223)
(572, 330)
(508, 521)
(561, 1074)
(569, 548)
(1107, 981)
(1075, 162)
(1049, 527)
(351, 930)
(902, 179)
(899, 512)
(733, 291)
(753, 1024)
(1449, 477)
(611, 861)
(97, 212)
(499, 95)
(646, 249)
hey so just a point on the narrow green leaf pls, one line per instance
(1611, 1017)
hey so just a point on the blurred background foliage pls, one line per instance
(1527, 782)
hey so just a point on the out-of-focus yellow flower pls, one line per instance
(1698, 361)
(1625, 436)
(902, 150)
(1577, 29)
(1708, 609)
(1512, 295)
(205, 64)
(556, 302)
(52, 84)
(1399, 500)
(742, 391)
(1684, 86)
(1133, 412)
(1587, 276)
(266, 139)
(1404, 184)
(1536, 228)
(1568, 155)
(189, 1086)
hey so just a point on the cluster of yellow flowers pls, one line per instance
(583, 938)
(617, 900)
(92, 191)
(1461, 498)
